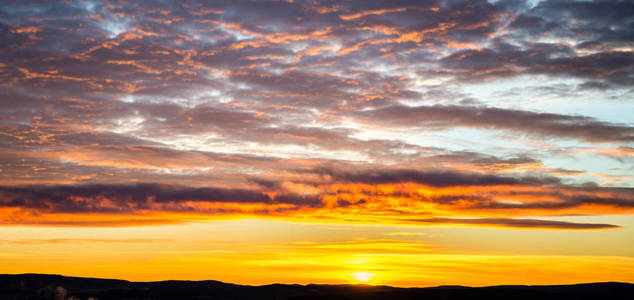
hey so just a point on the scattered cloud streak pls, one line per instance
(523, 122)
(517, 223)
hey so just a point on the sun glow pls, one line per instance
(362, 276)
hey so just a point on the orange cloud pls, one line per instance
(361, 14)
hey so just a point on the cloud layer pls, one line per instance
(129, 112)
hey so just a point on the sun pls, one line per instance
(362, 276)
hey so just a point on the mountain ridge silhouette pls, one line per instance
(33, 286)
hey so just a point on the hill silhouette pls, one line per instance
(57, 287)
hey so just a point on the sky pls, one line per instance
(407, 143)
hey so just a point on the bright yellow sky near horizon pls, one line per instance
(261, 251)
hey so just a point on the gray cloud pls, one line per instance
(516, 223)
(101, 198)
(545, 124)
(431, 178)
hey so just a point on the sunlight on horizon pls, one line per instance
(363, 276)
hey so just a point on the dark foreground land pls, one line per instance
(36, 286)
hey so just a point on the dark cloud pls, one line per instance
(482, 160)
(482, 192)
(131, 198)
(565, 201)
(516, 223)
(545, 124)
(431, 178)
(602, 28)
(609, 67)
(608, 21)
(485, 194)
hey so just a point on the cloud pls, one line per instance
(74, 241)
(533, 123)
(432, 178)
(379, 196)
(232, 107)
(103, 198)
(516, 223)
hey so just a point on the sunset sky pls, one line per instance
(406, 143)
